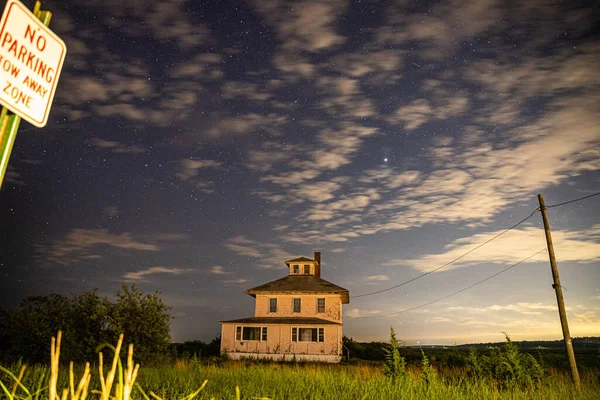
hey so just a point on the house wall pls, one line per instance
(285, 306)
(279, 341)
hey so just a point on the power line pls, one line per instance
(455, 293)
(574, 200)
(451, 262)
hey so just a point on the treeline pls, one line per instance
(548, 353)
(196, 349)
(87, 321)
(591, 342)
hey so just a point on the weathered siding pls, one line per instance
(279, 341)
(285, 306)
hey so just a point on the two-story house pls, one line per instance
(299, 315)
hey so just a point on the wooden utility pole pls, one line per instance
(559, 296)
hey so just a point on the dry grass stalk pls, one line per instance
(84, 382)
(122, 390)
(106, 385)
(54, 357)
(19, 378)
(130, 374)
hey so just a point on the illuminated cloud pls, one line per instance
(219, 270)
(514, 246)
(378, 278)
(141, 275)
(245, 124)
(267, 255)
(236, 281)
(80, 243)
(116, 147)
(358, 313)
(309, 25)
(189, 169)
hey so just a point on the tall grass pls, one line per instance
(254, 380)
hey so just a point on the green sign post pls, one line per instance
(31, 58)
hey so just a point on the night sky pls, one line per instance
(193, 147)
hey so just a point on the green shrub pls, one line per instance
(394, 364)
(428, 373)
(509, 367)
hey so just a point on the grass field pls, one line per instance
(310, 381)
(188, 379)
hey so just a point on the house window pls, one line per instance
(264, 333)
(321, 305)
(307, 270)
(308, 335)
(297, 305)
(238, 333)
(273, 305)
(296, 268)
(251, 333)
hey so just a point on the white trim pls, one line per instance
(330, 358)
(260, 334)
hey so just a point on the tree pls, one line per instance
(90, 317)
(35, 321)
(144, 320)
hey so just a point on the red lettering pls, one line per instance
(13, 48)
(50, 75)
(22, 54)
(42, 46)
(29, 33)
(7, 38)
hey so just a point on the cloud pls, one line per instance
(245, 90)
(270, 154)
(248, 123)
(116, 147)
(13, 176)
(219, 270)
(189, 169)
(243, 246)
(140, 275)
(111, 211)
(358, 313)
(99, 81)
(421, 111)
(378, 278)
(236, 281)
(470, 182)
(80, 243)
(267, 255)
(308, 25)
(521, 307)
(440, 29)
(571, 246)
(373, 66)
(170, 22)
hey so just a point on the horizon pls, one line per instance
(192, 148)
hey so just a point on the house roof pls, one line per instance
(301, 259)
(300, 284)
(286, 321)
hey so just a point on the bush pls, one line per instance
(428, 373)
(509, 367)
(395, 364)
